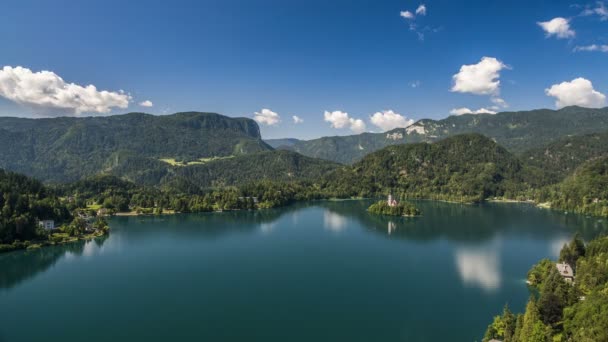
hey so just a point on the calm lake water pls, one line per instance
(323, 271)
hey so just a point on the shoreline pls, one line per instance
(37, 244)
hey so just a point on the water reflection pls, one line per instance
(334, 221)
(479, 266)
(19, 266)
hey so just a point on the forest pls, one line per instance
(561, 310)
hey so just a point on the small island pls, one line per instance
(392, 207)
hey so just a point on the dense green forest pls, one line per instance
(67, 149)
(516, 131)
(463, 168)
(560, 158)
(559, 310)
(23, 202)
(280, 166)
(585, 191)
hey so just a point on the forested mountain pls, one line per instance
(585, 191)
(282, 143)
(468, 167)
(561, 157)
(270, 165)
(517, 131)
(67, 149)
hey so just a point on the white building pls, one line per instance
(566, 271)
(391, 201)
(47, 224)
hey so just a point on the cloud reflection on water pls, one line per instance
(334, 222)
(479, 266)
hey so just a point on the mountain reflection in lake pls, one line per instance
(312, 271)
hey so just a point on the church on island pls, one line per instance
(391, 201)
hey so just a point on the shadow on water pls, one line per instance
(16, 267)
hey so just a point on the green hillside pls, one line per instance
(516, 131)
(561, 157)
(585, 191)
(467, 167)
(67, 149)
(278, 166)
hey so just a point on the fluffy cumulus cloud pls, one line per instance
(146, 103)
(480, 79)
(557, 27)
(592, 47)
(46, 91)
(464, 110)
(339, 119)
(297, 119)
(578, 92)
(388, 120)
(267, 117)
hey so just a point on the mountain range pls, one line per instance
(516, 131)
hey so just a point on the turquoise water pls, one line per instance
(323, 271)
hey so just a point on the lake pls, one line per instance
(321, 271)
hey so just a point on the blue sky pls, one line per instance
(301, 58)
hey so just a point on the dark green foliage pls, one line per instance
(68, 149)
(464, 168)
(400, 209)
(571, 252)
(585, 191)
(24, 201)
(517, 131)
(560, 158)
(280, 166)
(587, 321)
(502, 328)
(566, 311)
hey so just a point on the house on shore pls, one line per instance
(566, 271)
(47, 224)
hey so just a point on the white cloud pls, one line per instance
(339, 119)
(480, 78)
(388, 120)
(267, 117)
(407, 14)
(578, 92)
(297, 119)
(464, 110)
(357, 125)
(599, 10)
(499, 102)
(558, 27)
(45, 90)
(593, 47)
(421, 10)
(146, 103)
(415, 84)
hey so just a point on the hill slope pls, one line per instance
(270, 165)
(468, 167)
(517, 131)
(67, 149)
(561, 157)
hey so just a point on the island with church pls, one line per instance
(392, 207)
